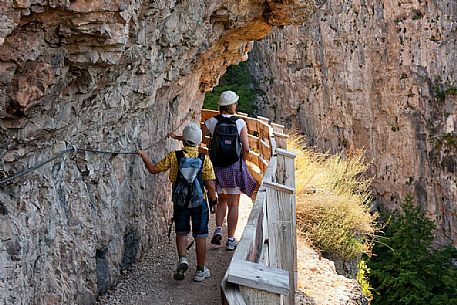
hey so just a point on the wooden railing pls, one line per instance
(261, 135)
(263, 269)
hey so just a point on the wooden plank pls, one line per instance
(281, 140)
(263, 119)
(277, 127)
(270, 173)
(254, 158)
(265, 150)
(258, 242)
(231, 294)
(264, 131)
(273, 146)
(252, 125)
(253, 142)
(203, 150)
(206, 140)
(279, 187)
(265, 164)
(258, 276)
(259, 297)
(256, 174)
(282, 249)
(247, 240)
(207, 113)
(285, 152)
(264, 257)
(289, 180)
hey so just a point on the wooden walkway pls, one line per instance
(263, 269)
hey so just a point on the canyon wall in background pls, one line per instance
(377, 75)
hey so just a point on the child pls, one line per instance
(195, 210)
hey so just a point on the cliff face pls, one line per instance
(379, 75)
(106, 75)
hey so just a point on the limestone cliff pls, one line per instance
(379, 75)
(109, 75)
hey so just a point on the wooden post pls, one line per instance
(285, 174)
(281, 139)
(277, 127)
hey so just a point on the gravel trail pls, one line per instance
(150, 281)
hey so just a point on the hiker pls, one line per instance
(228, 147)
(188, 171)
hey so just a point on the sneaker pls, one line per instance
(217, 236)
(181, 268)
(201, 275)
(231, 244)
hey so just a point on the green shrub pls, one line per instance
(237, 79)
(405, 270)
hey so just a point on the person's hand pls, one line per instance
(176, 137)
(141, 153)
(212, 205)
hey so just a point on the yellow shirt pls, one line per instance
(170, 162)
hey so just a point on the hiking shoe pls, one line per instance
(217, 236)
(201, 275)
(181, 268)
(231, 244)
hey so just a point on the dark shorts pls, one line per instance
(199, 216)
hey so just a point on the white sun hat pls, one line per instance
(192, 134)
(228, 98)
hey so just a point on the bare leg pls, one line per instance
(181, 244)
(200, 251)
(221, 209)
(232, 217)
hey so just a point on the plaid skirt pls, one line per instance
(232, 177)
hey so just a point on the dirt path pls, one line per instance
(151, 282)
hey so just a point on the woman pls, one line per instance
(234, 179)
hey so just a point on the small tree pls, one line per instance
(404, 268)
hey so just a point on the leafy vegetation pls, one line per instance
(332, 197)
(451, 90)
(447, 140)
(237, 79)
(439, 92)
(405, 270)
(363, 279)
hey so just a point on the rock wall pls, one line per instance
(378, 75)
(107, 75)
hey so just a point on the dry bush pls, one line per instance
(332, 201)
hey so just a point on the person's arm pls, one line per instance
(212, 200)
(205, 131)
(211, 188)
(176, 137)
(245, 142)
(151, 167)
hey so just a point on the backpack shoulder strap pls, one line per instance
(179, 155)
(218, 117)
(234, 118)
(201, 156)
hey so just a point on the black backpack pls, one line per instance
(225, 145)
(188, 188)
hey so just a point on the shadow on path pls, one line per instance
(150, 281)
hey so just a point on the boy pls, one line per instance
(191, 137)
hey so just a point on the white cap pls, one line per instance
(228, 98)
(192, 134)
